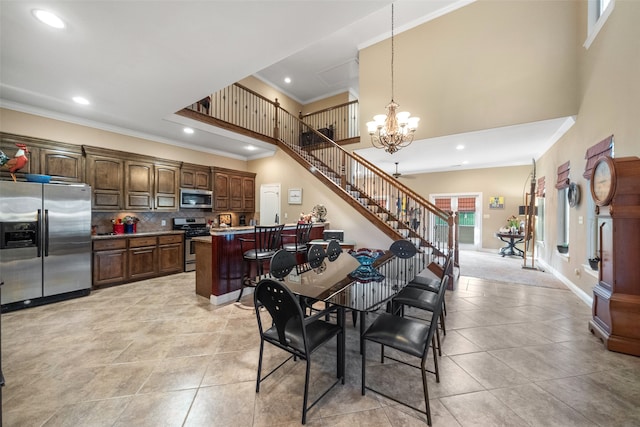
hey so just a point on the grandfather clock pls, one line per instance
(615, 187)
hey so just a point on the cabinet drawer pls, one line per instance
(137, 242)
(172, 238)
(107, 245)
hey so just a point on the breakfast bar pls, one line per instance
(219, 260)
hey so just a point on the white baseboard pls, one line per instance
(587, 299)
(230, 297)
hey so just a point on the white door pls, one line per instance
(270, 204)
(468, 208)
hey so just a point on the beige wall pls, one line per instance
(486, 65)
(41, 127)
(610, 104)
(324, 103)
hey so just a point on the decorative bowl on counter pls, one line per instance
(43, 179)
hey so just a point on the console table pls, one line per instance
(511, 241)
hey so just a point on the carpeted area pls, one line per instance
(492, 266)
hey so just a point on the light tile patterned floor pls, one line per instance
(153, 353)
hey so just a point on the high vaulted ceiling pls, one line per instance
(138, 62)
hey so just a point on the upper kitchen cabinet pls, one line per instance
(233, 190)
(195, 176)
(63, 162)
(138, 185)
(151, 184)
(167, 190)
(105, 175)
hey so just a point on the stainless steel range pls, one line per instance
(192, 227)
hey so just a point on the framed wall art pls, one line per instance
(295, 196)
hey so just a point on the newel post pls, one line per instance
(276, 128)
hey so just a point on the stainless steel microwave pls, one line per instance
(192, 198)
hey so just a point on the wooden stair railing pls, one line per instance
(394, 208)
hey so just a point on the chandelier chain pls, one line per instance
(392, 54)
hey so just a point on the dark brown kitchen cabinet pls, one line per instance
(63, 162)
(234, 190)
(129, 258)
(143, 257)
(138, 185)
(249, 194)
(195, 176)
(170, 254)
(221, 191)
(109, 262)
(105, 175)
(167, 190)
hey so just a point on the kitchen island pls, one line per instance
(219, 260)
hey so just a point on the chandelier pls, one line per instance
(394, 130)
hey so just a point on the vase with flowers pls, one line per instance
(513, 224)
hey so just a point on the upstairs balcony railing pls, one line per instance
(398, 210)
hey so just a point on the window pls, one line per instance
(562, 185)
(598, 12)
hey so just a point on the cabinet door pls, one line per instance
(109, 267)
(187, 178)
(143, 262)
(248, 194)
(235, 193)
(202, 180)
(138, 185)
(221, 191)
(62, 165)
(105, 174)
(166, 186)
(170, 258)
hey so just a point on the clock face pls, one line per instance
(602, 182)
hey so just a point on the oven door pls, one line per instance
(189, 254)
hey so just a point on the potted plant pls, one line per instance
(593, 262)
(563, 248)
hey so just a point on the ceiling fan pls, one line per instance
(397, 174)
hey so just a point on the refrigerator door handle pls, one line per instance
(46, 232)
(39, 235)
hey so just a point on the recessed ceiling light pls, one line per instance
(188, 130)
(251, 148)
(466, 162)
(48, 18)
(80, 100)
(460, 147)
(287, 80)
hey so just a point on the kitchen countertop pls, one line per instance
(141, 234)
(222, 231)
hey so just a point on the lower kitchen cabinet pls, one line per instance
(170, 254)
(130, 258)
(143, 257)
(109, 262)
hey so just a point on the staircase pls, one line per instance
(384, 201)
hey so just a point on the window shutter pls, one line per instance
(540, 187)
(602, 148)
(563, 176)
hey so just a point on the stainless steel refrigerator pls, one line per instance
(45, 242)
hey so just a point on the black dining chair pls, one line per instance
(267, 239)
(406, 335)
(433, 284)
(294, 333)
(282, 263)
(316, 256)
(301, 239)
(333, 250)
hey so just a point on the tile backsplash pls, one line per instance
(152, 220)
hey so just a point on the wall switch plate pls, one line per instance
(580, 219)
(163, 222)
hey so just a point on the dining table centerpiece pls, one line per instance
(366, 272)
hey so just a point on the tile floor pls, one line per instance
(153, 353)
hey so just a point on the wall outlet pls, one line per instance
(163, 222)
(285, 215)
